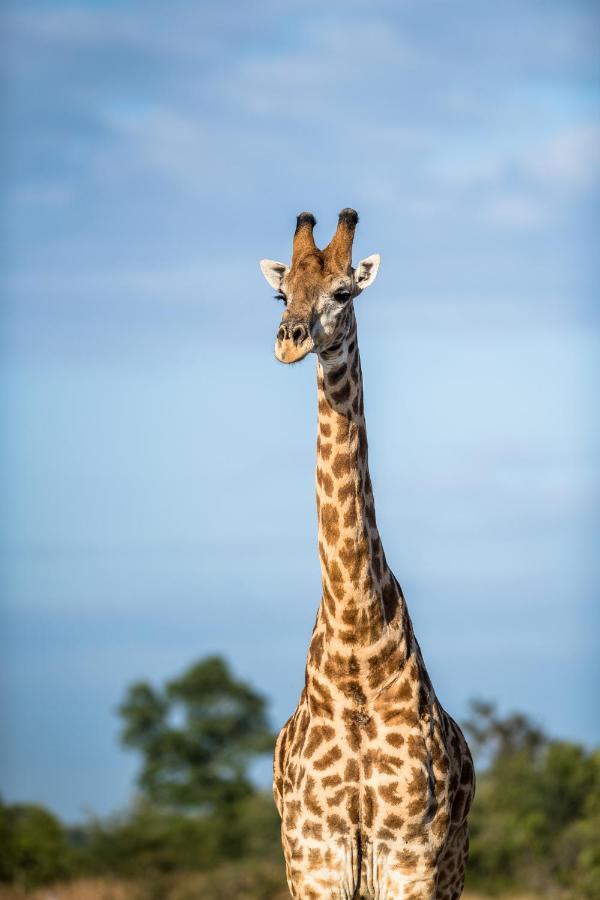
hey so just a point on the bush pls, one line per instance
(33, 846)
(162, 842)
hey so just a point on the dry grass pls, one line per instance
(105, 889)
(84, 889)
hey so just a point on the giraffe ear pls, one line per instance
(366, 271)
(274, 272)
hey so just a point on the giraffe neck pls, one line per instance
(360, 595)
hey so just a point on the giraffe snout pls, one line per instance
(297, 332)
(293, 341)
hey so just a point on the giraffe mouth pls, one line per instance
(288, 352)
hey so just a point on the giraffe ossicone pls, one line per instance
(373, 780)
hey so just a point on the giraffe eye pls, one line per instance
(341, 296)
(282, 297)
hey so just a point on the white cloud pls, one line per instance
(570, 159)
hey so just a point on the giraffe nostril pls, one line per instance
(281, 334)
(298, 334)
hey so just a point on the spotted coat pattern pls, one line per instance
(372, 778)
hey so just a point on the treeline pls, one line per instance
(535, 823)
(202, 829)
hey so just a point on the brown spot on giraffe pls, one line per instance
(329, 523)
(345, 492)
(326, 762)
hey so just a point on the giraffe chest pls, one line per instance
(379, 771)
(365, 792)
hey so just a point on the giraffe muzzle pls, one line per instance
(293, 342)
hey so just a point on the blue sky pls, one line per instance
(157, 470)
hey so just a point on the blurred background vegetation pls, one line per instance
(201, 827)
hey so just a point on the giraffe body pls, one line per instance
(372, 778)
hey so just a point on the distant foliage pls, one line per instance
(535, 822)
(152, 842)
(197, 736)
(34, 849)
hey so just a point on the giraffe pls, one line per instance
(373, 780)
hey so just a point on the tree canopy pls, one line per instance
(197, 736)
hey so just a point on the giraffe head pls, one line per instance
(318, 288)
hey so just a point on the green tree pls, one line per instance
(197, 737)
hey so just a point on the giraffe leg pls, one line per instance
(408, 887)
(451, 877)
(332, 873)
(382, 878)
